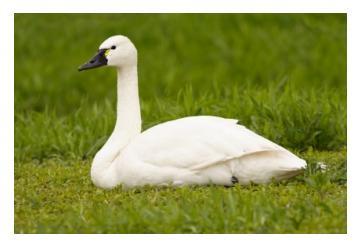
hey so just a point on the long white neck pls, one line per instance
(128, 123)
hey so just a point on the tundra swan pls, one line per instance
(192, 150)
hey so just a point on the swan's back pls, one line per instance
(211, 148)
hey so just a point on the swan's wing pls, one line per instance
(197, 142)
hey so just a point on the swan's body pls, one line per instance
(192, 150)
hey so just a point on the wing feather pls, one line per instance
(197, 142)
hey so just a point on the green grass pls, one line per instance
(58, 196)
(282, 75)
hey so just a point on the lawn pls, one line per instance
(281, 75)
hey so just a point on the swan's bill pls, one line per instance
(97, 61)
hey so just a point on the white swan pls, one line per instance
(192, 150)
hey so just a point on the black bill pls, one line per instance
(97, 61)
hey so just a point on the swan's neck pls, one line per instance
(128, 123)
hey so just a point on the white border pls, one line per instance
(191, 6)
(7, 123)
(7, 8)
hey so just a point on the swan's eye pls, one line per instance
(113, 47)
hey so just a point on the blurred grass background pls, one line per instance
(281, 75)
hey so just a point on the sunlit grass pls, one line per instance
(58, 197)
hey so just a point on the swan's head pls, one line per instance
(117, 51)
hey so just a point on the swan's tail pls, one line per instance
(263, 166)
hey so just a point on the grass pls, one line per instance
(311, 203)
(282, 75)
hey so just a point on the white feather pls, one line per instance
(192, 150)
